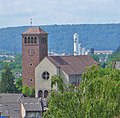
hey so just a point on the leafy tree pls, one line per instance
(7, 80)
(95, 57)
(97, 96)
(59, 81)
(28, 92)
(113, 58)
(18, 84)
(101, 88)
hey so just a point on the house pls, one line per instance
(10, 105)
(70, 68)
(31, 108)
(17, 106)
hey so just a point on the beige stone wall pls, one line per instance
(65, 77)
(40, 83)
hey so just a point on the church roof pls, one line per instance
(72, 64)
(34, 30)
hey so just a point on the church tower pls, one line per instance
(34, 49)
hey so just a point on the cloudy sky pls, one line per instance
(44, 12)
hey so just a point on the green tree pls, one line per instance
(95, 57)
(57, 80)
(97, 96)
(18, 84)
(7, 80)
(28, 92)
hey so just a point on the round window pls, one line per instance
(30, 79)
(31, 64)
(45, 75)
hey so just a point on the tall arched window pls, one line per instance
(40, 93)
(45, 94)
(25, 40)
(35, 40)
(28, 39)
(31, 39)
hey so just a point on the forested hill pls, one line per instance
(98, 36)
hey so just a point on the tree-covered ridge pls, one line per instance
(98, 36)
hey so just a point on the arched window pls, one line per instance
(45, 94)
(25, 40)
(40, 93)
(31, 39)
(35, 40)
(45, 40)
(28, 39)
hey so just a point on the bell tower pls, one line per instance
(34, 49)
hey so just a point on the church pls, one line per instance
(38, 67)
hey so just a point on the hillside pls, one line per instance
(98, 36)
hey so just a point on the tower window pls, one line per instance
(28, 39)
(35, 40)
(42, 40)
(31, 39)
(45, 40)
(25, 40)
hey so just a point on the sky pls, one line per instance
(47, 12)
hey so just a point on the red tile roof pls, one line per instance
(34, 30)
(72, 64)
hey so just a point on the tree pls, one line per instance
(97, 96)
(28, 92)
(101, 88)
(57, 80)
(18, 84)
(7, 80)
(95, 57)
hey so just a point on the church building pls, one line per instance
(38, 67)
(70, 68)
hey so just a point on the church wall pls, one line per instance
(40, 83)
(75, 79)
(65, 77)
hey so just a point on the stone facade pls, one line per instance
(70, 68)
(42, 85)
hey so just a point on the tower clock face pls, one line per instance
(31, 52)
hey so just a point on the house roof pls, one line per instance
(31, 104)
(72, 64)
(10, 97)
(34, 30)
(10, 104)
(11, 109)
